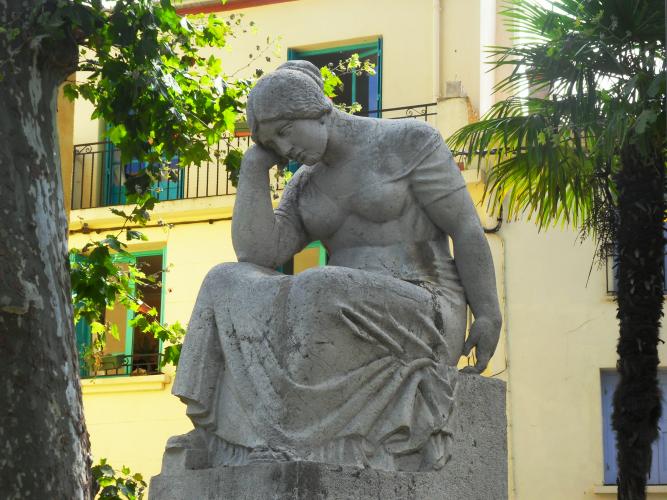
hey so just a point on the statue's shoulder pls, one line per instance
(403, 144)
(407, 132)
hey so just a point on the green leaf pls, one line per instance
(229, 117)
(657, 86)
(132, 234)
(70, 91)
(113, 330)
(114, 243)
(117, 133)
(646, 117)
(119, 213)
(97, 328)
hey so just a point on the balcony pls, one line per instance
(99, 177)
(111, 365)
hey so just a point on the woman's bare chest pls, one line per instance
(330, 197)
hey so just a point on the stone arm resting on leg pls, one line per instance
(259, 235)
(442, 193)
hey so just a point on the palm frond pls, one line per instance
(542, 153)
(554, 159)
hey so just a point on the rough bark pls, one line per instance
(42, 432)
(637, 404)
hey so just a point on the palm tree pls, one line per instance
(581, 140)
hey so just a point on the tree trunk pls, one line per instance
(637, 400)
(45, 448)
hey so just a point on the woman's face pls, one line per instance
(303, 140)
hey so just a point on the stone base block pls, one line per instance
(477, 470)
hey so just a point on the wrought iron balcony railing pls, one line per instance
(111, 365)
(99, 178)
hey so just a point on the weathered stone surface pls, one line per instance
(342, 381)
(477, 470)
(353, 363)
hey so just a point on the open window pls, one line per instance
(364, 89)
(133, 352)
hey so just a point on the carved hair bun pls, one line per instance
(305, 67)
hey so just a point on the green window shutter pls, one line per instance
(129, 331)
(81, 329)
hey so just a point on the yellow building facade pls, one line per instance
(559, 333)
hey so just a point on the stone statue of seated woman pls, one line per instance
(353, 363)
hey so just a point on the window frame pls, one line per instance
(364, 49)
(82, 329)
(658, 475)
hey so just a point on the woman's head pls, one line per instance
(290, 94)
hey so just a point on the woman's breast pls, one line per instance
(367, 207)
(320, 214)
(381, 201)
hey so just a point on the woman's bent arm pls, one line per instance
(259, 236)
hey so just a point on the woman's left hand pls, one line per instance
(484, 335)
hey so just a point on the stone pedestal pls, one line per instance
(477, 470)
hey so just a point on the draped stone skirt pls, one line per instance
(334, 365)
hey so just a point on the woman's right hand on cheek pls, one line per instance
(261, 157)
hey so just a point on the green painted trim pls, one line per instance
(163, 253)
(129, 331)
(123, 258)
(368, 53)
(295, 53)
(162, 300)
(323, 256)
(148, 253)
(322, 259)
(379, 76)
(372, 48)
(354, 87)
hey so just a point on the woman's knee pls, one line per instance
(315, 276)
(321, 281)
(228, 273)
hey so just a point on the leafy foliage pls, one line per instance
(117, 485)
(581, 140)
(333, 84)
(147, 78)
(105, 275)
(594, 75)
(161, 98)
